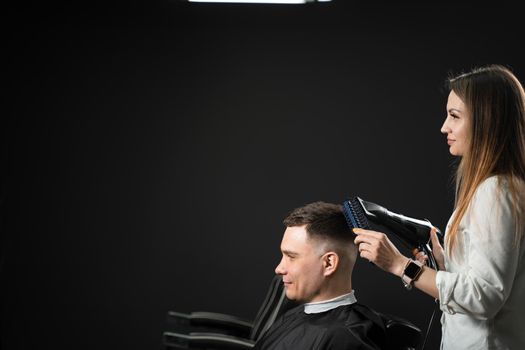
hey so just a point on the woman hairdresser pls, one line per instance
(481, 282)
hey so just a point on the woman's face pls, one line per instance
(456, 125)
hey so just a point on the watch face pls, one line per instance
(412, 269)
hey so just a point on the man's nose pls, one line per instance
(279, 270)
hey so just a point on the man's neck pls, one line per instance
(333, 288)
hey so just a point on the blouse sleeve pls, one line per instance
(484, 280)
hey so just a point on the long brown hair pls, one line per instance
(495, 103)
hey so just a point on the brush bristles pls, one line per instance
(354, 214)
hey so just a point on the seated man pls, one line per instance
(318, 256)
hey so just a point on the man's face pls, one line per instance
(301, 266)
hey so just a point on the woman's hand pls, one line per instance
(377, 248)
(437, 251)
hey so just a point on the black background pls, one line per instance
(150, 150)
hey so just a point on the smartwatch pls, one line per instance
(412, 271)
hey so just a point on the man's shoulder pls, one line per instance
(348, 337)
(357, 312)
(362, 327)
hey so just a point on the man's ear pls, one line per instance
(330, 263)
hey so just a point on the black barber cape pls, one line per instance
(346, 327)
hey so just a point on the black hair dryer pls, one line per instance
(413, 233)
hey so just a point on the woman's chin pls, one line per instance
(455, 152)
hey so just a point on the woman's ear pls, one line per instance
(330, 263)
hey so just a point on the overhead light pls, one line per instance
(261, 1)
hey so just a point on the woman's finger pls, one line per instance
(364, 238)
(362, 248)
(363, 232)
(365, 254)
(434, 238)
(421, 257)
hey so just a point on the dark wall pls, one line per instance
(150, 151)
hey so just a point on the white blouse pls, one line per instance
(482, 291)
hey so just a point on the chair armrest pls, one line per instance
(205, 341)
(210, 322)
(402, 333)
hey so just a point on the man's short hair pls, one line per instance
(323, 220)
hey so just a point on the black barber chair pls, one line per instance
(400, 333)
(208, 330)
